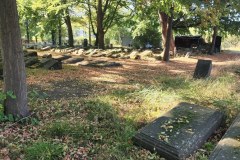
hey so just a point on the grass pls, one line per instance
(101, 125)
(44, 150)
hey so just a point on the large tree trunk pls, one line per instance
(60, 32)
(27, 31)
(89, 33)
(166, 55)
(100, 29)
(212, 48)
(53, 34)
(96, 40)
(13, 63)
(69, 28)
(163, 20)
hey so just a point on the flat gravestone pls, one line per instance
(31, 54)
(73, 60)
(53, 65)
(228, 147)
(62, 57)
(179, 132)
(100, 64)
(44, 61)
(31, 61)
(203, 69)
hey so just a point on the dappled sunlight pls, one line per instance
(177, 71)
(109, 78)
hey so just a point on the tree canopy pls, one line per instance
(44, 19)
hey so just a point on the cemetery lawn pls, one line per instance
(92, 113)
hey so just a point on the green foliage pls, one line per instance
(44, 150)
(231, 42)
(6, 118)
(3, 97)
(147, 36)
(10, 117)
(36, 95)
(209, 146)
(64, 128)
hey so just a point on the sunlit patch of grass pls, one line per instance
(151, 102)
(207, 90)
(37, 72)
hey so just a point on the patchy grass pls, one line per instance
(44, 150)
(98, 123)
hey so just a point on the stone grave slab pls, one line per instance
(31, 61)
(179, 132)
(73, 60)
(30, 54)
(100, 64)
(228, 147)
(203, 69)
(53, 65)
(45, 48)
(47, 56)
(104, 64)
(44, 61)
(62, 57)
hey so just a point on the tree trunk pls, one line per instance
(14, 72)
(27, 31)
(212, 48)
(53, 33)
(89, 33)
(163, 20)
(96, 40)
(60, 33)
(166, 55)
(69, 28)
(100, 29)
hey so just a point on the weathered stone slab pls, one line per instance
(203, 69)
(134, 55)
(179, 132)
(114, 55)
(228, 147)
(46, 48)
(103, 64)
(62, 57)
(53, 65)
(44, 61)
(73, 60)
(31, 61)
(31, 54)
(47, 56)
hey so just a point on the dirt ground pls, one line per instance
(84, 81)
(131, 71)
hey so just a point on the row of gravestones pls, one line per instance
(47, 62)
(32, 60)
(111, 53)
